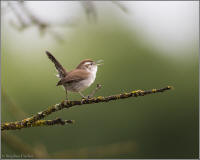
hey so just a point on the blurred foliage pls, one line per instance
(155, 126)
(26, 18)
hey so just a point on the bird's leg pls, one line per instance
(94, 91)
(82, 95)
(66, 94)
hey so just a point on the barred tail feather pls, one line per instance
(61, 71)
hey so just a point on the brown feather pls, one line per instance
(61, 71)
(74, 76)
(82, 62)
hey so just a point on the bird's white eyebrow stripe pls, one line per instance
(87, 63)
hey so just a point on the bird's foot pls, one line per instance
(88, 97)
(84, 98)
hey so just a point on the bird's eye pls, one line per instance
(88, 64)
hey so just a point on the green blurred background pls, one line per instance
(155, 126)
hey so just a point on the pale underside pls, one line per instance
(75, 83)
(79, 86)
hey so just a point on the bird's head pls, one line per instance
(89, 65)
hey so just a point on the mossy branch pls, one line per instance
(19, 125)
(36, 119)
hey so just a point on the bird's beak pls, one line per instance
(99, 62)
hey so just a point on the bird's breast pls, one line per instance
(81, 85)
(87, 82)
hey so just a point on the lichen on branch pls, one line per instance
(39, 123)
(36, 119)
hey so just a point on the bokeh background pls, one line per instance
(144, 45)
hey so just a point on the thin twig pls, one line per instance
(121, 6)
(95, 90)
(31, 121)
(19, 125)
(22, 23)
(90, 10)
(43, 26)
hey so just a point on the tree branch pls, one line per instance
(19, 125)
(36, 119)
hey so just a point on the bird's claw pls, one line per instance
(92, 94)
(84, 98)
(88, 97)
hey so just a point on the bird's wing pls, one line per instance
(61, 71)
(74, 76)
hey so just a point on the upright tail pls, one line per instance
(61, 71)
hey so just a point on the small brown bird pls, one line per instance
(78, 79)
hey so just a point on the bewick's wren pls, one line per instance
(78, 79)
